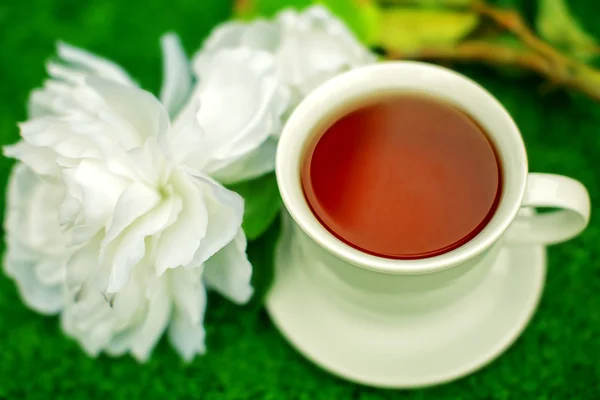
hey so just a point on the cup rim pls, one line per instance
(371, 81)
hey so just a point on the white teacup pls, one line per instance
(377, 320)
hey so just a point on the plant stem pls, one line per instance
(480, 51)
(536, 55)
(583, 79)
(240, 7)
(512, 21)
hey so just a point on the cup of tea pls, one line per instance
(413, 249)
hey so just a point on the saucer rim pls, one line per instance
(539, 253)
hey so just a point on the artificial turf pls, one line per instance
(558, 356)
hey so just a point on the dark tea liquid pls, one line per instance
(407, 177)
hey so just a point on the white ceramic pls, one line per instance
(408, 323)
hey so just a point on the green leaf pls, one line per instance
(407, 29)
(261, 203)
(556, 24)
(359, 15)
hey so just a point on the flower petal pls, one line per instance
(177, 81)
(41, 160)
(89, 320)
(186, 330)
(36, 248)
(180, 241)
(136, 108)
(156, 321)
(66, 93)
(51, 270)
(244, 80)
(131, 320)
(21, 266)
(229, 271)
(257, 163)
(31, 215)
(135, 201)
(187, 137)
(83, 264)
(97, 190)
(93, 64)
(123, 254)
(315, 46)
(225, 212)
(150, 163)
(259, 34)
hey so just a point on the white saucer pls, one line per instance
(411, 350)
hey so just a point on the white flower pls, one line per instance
(135, 236)
(250, 76)
(239, 102)
(309, 47)
(66, 94)
(36, 252)
(134, 319)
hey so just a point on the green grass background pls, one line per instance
(558, 357)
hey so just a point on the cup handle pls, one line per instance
(568, 196)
